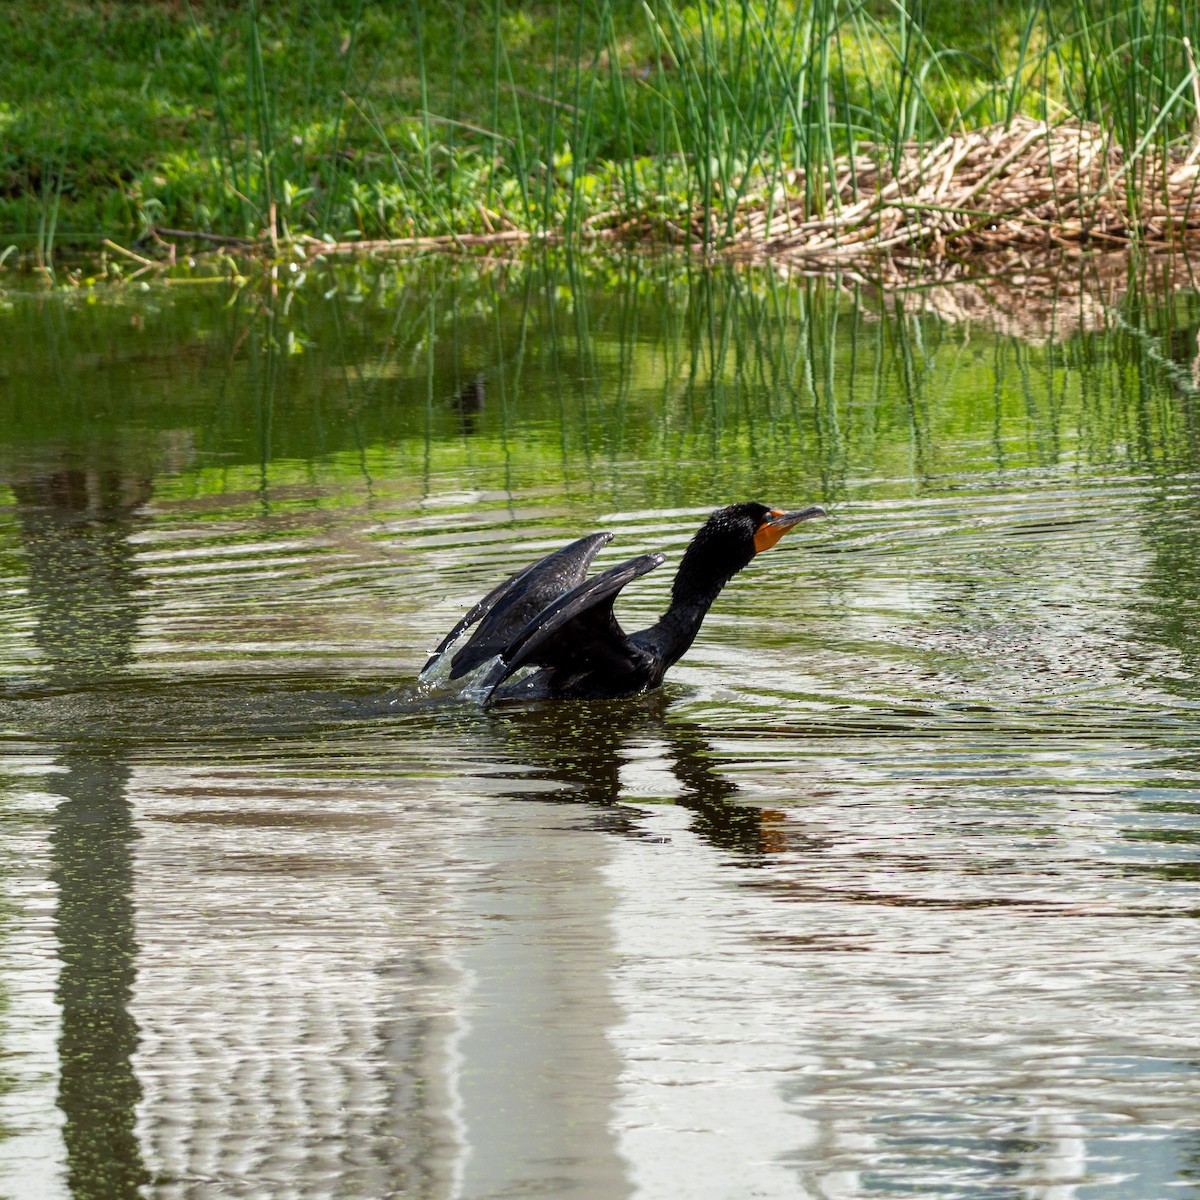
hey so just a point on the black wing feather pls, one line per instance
(510, 606)
(579, 626)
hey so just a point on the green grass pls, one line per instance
(352, 119)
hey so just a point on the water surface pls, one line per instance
(890, 891)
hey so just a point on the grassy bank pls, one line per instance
(354, 120)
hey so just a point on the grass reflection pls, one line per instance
(646, 379)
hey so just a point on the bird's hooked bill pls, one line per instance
(777, 522)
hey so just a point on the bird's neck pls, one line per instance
(673, 633)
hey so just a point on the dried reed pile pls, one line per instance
(1024, 184)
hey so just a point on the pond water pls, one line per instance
(892, 890)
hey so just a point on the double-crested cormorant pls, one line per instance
(552, 617)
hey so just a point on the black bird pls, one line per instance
(552, 617)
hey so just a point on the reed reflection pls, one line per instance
(1164, 842)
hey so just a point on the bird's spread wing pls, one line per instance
(508, 608)
(578, 629)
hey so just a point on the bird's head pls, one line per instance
(732, 536)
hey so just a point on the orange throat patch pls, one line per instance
(769, 534)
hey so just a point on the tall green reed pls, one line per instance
(53, 179)
(670, 113)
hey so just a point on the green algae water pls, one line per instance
(891, 890)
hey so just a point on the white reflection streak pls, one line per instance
(700, 1112)
(537, 1074)
(457, 1029)
(33, 1159)
(1063, 1159)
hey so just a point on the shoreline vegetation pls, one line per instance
(827, 133)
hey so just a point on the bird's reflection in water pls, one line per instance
(578, 752)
